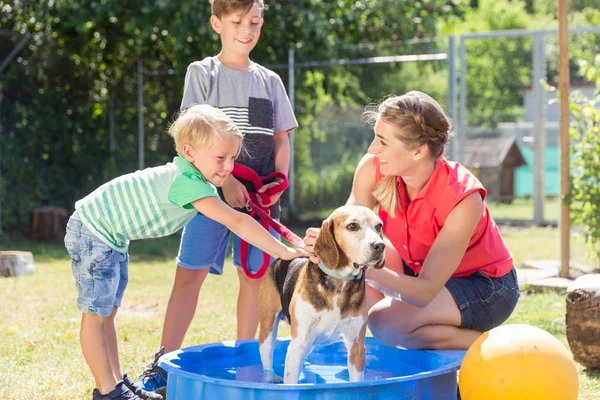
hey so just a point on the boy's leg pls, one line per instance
(247, 304)
(95, 351)
(111, 340)
(202, 250)
(181, 307)
(101, 277)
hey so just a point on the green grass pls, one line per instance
(41, 308)
(522, 209)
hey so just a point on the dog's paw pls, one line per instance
(270, 377)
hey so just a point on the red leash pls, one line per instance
(246, 174)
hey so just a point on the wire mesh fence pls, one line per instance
(509, 112)
(118, 129)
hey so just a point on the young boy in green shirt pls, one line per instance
(150, 203)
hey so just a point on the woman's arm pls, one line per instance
(364, 183)
(443, 258)
(245, 227)
(363, 186)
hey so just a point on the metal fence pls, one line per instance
(528, 61)
(338, 136)
(130, 133)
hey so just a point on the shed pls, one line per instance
(494, 161)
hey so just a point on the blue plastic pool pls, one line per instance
(233, 371)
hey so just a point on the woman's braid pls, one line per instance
(434, 136)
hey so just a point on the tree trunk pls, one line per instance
(583, 320)
(14, 263)
(48, 223)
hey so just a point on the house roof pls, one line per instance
(492, 152)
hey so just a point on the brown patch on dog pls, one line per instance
(318, 291)
(354, 302)
(268, 297)
(327, 248)
(357, 354)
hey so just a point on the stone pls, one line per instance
(15, 263)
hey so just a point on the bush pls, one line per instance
(584, 198)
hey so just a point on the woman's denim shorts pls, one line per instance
(484, 302)
(100, 272)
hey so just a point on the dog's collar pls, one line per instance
(335, 274)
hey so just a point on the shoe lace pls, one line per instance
(153, 369)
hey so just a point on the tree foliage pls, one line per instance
(584, 197)
(56, 96)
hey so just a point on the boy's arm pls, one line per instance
(281, 142)
(245, 227)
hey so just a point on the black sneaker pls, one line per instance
(154, 378)
(139, 391)
(120, 392)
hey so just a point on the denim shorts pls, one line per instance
(484, 302)
(100, 272)
(204, 244)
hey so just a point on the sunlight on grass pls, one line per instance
(40, 357)
(523, 209)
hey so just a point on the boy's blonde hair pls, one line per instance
(418, 120)
(220, 8)
(199, 125)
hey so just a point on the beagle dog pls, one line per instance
(324, 303)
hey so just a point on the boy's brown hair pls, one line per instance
(225, 7)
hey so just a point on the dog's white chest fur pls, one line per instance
(327, 326)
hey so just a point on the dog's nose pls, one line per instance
(378, 246)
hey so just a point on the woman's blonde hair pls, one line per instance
(199, 125)
(418, 120)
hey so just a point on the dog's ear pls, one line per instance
(325, 246)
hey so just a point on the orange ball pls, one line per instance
(515, 362)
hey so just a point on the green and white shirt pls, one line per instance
(145, 204)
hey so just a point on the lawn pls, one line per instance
(40, 356)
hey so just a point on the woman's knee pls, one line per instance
(387, 327)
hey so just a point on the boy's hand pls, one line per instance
(290, 253)
(235, 192)
(273, 199)
(309, 244)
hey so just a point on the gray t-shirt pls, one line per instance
(255, 100)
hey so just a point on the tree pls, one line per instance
(584, 197)
(56, 96)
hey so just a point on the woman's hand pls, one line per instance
(309, 244)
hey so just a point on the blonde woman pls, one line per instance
(448, 272)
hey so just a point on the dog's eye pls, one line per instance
(378, 227)
(352, 226)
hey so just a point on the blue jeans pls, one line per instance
(204, 244)
(484, 302)
(100, 272)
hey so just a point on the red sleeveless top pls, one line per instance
(417, 223)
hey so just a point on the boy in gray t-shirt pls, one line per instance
(255, 99)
